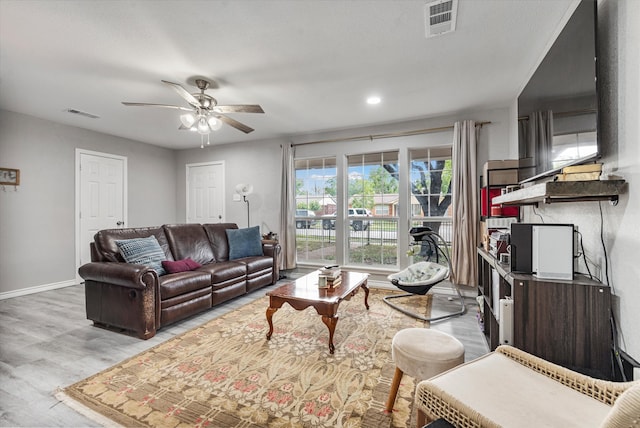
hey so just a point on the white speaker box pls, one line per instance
(505, 325)
(552, 251)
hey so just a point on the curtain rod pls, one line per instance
(379, 136)
(567, 113)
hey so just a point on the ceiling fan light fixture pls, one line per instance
(187, 120)
(214, 123)
(204, 114)
(203, 126)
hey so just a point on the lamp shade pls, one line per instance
(187, 120)
(244, 189)
(214, 123)
(203, 126)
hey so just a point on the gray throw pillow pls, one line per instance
(244, 242)
(143, 251)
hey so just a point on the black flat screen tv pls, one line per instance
(558, 108)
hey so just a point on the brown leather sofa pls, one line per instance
(133, 297)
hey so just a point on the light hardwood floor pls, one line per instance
(46, 343)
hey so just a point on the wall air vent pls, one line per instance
(440, 17)
(81, 113)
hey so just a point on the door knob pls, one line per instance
(120, 223)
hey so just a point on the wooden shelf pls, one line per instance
(564, 191)
(566, 322)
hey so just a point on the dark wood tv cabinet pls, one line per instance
(565, 322)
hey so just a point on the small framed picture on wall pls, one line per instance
(10, 177)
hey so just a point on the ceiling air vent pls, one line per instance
(440, 17)
(81, 113)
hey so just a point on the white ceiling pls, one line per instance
(309, 64)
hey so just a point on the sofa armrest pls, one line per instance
(271, 248)
(604, 391)
(122, 295)
(122, 274)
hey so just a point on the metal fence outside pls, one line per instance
(371, 241)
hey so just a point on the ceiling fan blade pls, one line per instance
(184, 93)
(156, 105)
(246, 108)
(232, 122)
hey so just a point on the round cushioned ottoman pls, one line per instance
(422, 353)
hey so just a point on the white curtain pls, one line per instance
(287, 210)
(541, 137)
(464, 259)
(524, 146)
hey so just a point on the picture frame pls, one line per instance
(9, 177)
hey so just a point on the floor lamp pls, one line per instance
(244, 190)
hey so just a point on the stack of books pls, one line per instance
(589, 172)
(329, 276)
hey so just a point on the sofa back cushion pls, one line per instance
(217, 233)
(106, 247)
(189, 240)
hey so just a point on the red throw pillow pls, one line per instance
(180, 265)
(175, 267)
(192, 264)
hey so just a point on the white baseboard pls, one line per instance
(36, 289)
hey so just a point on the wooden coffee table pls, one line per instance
(304, 292)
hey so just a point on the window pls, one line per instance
(316, 204)
(373, 180)
(430, 189)
(382, 209)
(355, 209)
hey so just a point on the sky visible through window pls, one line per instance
(315, 179)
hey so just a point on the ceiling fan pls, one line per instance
(204, 114)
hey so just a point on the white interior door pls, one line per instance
(205, 192)
(101, 197)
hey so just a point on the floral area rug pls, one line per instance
(226, 374)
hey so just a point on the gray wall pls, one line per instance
(619, 59)
(257, 163)
(37, 222)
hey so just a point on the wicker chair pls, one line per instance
(512, 388)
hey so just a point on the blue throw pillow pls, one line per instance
(143, 251)
(244, 242)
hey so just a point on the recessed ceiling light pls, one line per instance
(373, 100)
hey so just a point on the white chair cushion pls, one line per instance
(519, 397)
(422, 273)
(422, 353)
